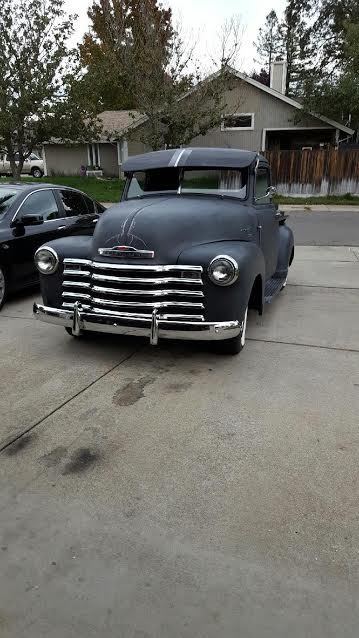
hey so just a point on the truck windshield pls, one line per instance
(218, 181)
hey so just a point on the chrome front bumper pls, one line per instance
(152, 327)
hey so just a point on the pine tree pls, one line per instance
(295, 43)
(267, 44)
(333, 19)
(332, 88)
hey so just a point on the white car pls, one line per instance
(33, 165)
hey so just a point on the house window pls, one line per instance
(238, 121)
(93, 154)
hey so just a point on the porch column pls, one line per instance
(122, 155)
(44, 159)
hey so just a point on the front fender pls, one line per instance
(227, 303)
(78, 247)
(286, 251)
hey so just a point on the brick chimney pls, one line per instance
(278, 76)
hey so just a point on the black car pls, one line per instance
(194, 243)
(32, 214)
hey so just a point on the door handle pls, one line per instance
(61, 227)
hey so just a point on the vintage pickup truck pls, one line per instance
(194, 243)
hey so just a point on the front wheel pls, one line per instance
(3, 287)
(236, 344)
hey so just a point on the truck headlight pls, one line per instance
(223, 270)
(46, 260)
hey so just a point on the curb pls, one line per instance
(319, 208)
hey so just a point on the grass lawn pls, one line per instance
(103, 190)
(331, 200)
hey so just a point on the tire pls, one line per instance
(236, 344)
(36, 172)
(69, 332)
(3, 287)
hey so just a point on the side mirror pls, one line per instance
(271, 190)
(31, 220)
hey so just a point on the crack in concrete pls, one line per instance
(305, 345)
(321, 286)
(16, 438)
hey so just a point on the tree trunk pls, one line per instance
(16, 167)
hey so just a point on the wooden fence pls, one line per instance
(320, 172)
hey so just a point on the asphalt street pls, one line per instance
(316, 228)
(171, 492)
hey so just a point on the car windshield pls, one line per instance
(207, 181)
(7, 197)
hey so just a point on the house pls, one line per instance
(109, 151)
(263, 118)
(257, 117)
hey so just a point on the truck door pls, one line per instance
(268, 225)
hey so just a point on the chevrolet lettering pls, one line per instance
(127, 252)
(195, 242)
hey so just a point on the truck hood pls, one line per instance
(169, 225)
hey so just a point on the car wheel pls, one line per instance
(36, 172)
(3, 287)
(236, 344)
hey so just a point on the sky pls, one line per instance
(201, 21)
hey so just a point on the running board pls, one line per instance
(273, 287)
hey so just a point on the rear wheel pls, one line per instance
(36, 172)
(3, 287)
(236, 344)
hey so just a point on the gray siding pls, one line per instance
(135, 147)
(65, 160)
(109, 159)
(269, 112)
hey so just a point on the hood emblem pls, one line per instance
(127, 252)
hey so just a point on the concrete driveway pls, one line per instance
(173, 493)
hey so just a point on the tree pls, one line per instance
(262, 76)
(122, 34)
(267, 44)
(331, 31)
(152, 69)
(38, 93)
(295, 43)
(333, 87)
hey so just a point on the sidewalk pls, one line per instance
(319, 208)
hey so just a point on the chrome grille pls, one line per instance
(127, 289)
